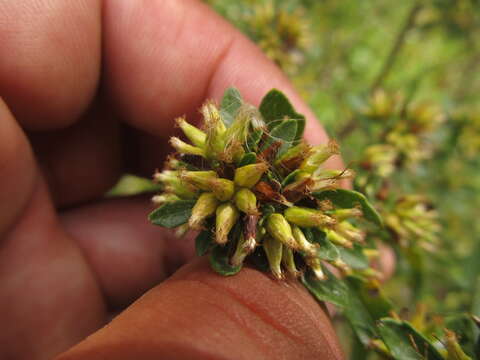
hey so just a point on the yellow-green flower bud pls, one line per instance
(342, 266)
(181, 230)
(304, 245)
(194, 134)
(246, 201)
(343, 214)
(204, 207)
(172, 183)
(288, 262)
(184, 148)
(244, 247)
(293, 157)
(199, 179)
(338, 239)
(306, 217)
(164, 198)
(319, 154)
(227, 216)
(273, 250)
(279, 228)
(350, 232)
(247, 176)
(316, 265)
(215, 129)
(222, 188)
(236, 134)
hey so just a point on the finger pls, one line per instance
(198, 314)
(129, 254)
(50, 65)
(45, 283)
(164, 58)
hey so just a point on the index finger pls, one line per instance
(164, 58)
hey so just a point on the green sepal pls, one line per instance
(326, 250)
(404, 342)
(355, 258)
(172, 214)
(247, 159)
(220, 261)
(231, 102)
(347, 199)
(275, 106)
(203, 241)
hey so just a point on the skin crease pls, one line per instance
(89, 90)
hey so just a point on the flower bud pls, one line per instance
(343, 214)
(293, 157)
(227, 216)
(306, 217)
(215, 129)
(338, 239)
(184, 148)
(236, 135)
(222, 188)
(194, 134)
(288, 262)
(164, 198)
(273, 249)
(342, 266)
(350, 232)
(319, 154)
(279, 228)
(204, 207)
(316, 265)
(172, 184)
(181, 230)
(304, 245)
(247, 176)
(244, 247)
(246, 201)
(199, 179)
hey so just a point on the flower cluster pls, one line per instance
(247, 181)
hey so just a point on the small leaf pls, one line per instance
(231, 102)
(348, 199)
(275, 107)
(404, 342)
(247, 159)
(331, 290)
(355, 258)
(253, 140)
(203, 242)
(326, 250)
(290, 178)
(374, 300)
(285, 133)
(220, 261)
(172, 214)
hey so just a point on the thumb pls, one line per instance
(197, 314)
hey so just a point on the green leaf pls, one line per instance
(348, 199)
(275, 107)
(355, 258)
(203, 242)
(220, 261)
(377, 304)
(290, 178)
(247, 159)
(231, 102)
(285, 133)
(326, 250)
(253, 140)
(339, 293)
(172, 214)
(406, 343)
(466, 330)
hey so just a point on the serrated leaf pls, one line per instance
(285, 133)
(348, 199)
(172, 214)
(326, 250)
(339, 293)
(220, 261)
(231, 102)
(247, 159)
(355, 258)
(406, 343)
(275, 107)
(203, 242)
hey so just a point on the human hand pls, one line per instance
(90, 90)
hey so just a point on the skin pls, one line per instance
(89, 90)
